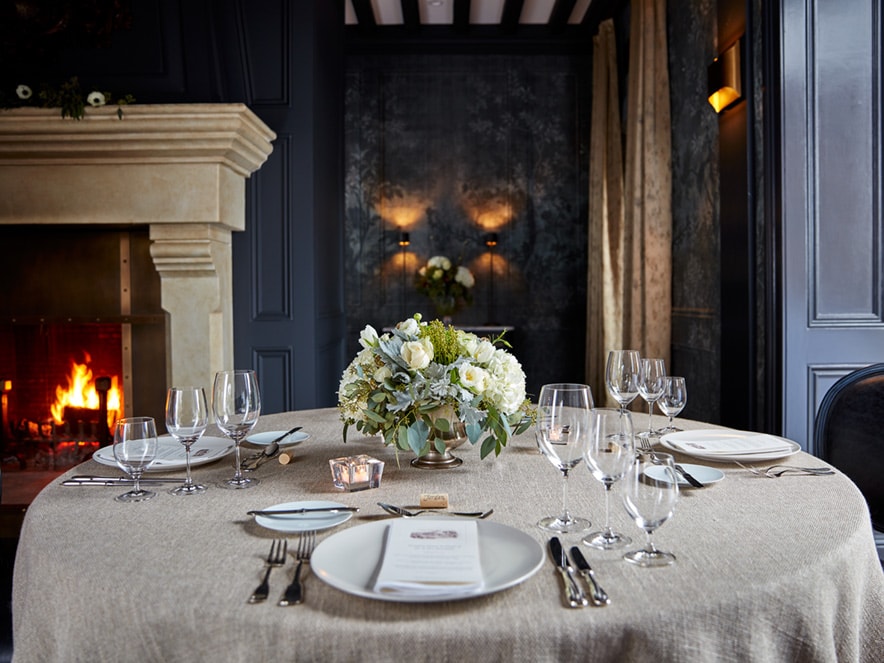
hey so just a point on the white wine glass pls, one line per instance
(562, 423)
(672, 401)
(135, 448)
(609, 451)
(650, 493)
(650, 388)
(187, 417)
(621, 375)
(236, 402)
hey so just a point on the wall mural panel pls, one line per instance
(451, 149)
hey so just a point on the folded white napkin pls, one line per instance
(726, 444)
(431, 557)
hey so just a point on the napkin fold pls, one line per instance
(431, 557)
(742, 443)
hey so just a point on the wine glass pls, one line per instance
(135, 448)
(672, 401)
(187, 416)
(650, 388)
(562, 424)
(649, 495)
(621, 375)
(608, 453)
(236, 403)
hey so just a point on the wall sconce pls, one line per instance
(490, 239)
(404, 239)
(724, 78)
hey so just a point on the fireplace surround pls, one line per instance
(169, 177)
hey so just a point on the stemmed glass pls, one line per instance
(135, 448)
(236, 403)
(562, 424)
(650, 388)
(621, 375)
(649, 495)
(672, 401)
(187, 416)
(608, 453)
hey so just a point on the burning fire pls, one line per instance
(81, 393)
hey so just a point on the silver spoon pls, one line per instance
(407, 513)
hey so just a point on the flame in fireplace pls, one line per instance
(81, 393)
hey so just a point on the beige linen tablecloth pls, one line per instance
(767, 570)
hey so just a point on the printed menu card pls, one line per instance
(431, 557)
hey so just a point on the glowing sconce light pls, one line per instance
(724, 78)
(404, 239)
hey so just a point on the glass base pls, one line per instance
(136, 496)
(560, 526)
(649, 435)
(649, 558)
(606, 540)
(192, 489)
(239, 484)
(668, 429)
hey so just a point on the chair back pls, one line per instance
(849, 433)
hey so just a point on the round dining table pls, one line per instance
(767, 569)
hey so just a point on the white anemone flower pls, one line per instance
(96, 98)
(24, 92)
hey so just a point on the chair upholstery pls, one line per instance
(849, 434)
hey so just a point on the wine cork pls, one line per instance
(434, 500)
(286, 457)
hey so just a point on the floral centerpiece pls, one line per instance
(448, 286)
(407, 384)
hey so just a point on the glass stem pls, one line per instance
(137, 487)
(237, 474)
(650, 416)
(608, 530)
(187, 480)
(566, 517)
(649, 546)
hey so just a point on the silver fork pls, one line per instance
(770, 474)
(293, 594)
(276, 557)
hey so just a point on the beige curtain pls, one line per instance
(630, 233)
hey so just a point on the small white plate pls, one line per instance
(171, 455)
(348, 560)
(263, 439)
(701, 473)
(301, 522)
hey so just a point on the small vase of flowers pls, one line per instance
(448, 286)
(421, 381)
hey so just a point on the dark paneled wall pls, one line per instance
(449, 148)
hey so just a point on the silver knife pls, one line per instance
(289, 512)
(599, 596)
(115, 481)
(573, 594)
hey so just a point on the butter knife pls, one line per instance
(599, 596)
(573, 594)
(290, 512)
(689, 477)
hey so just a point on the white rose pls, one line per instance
(446, 263)
(382, 374)
(368, 337)
(435, 261)
(409, 327)
(96, 98)
(438, 274)
(464, 277)
(468, 344)
(417, 354)
(473, 377)
(484, 352)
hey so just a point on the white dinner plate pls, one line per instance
(701, 473)
(170, 453)
(684, 438)
(263, 439)
(508, 557)
(301, 522)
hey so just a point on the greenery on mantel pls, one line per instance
(69, 96)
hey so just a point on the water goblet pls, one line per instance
(236, 402)
(650, 388)
(608, 452)
(135, 448)
(672, 401)
(650, 493)
(562, 424)
(187, 416)
(621, 375)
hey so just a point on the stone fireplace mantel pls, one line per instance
(179, 169)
